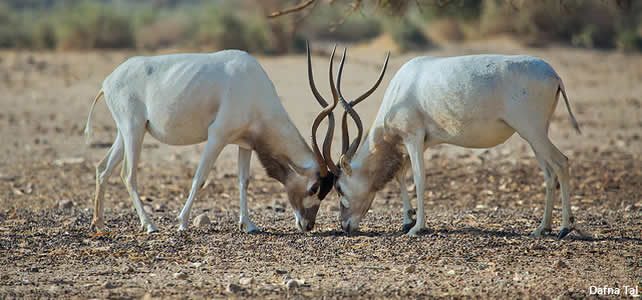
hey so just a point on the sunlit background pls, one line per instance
(218, 24)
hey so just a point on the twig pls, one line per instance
(354, 7)
(292, 9)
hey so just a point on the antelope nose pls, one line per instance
(346, 226)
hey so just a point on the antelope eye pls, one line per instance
(314, 189)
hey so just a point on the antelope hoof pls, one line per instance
(564, 232)
(540, 232)
(414, 231)
(407, 226)
(97, 225)
(182, 223)
(248, 227)
(149, 228)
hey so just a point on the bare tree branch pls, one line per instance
(353, 8)
(301, 6)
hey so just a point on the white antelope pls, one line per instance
(475, 101)
(222, 98)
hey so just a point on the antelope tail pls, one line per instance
(88, 130)
(560, 88)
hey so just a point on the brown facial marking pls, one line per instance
(275, 166)
(385, 161)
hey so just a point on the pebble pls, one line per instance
(280, 271)
(148, 209)
(108, 285)
(180, 275)
(127, 269)
(246, 281)
(65, 204)
(561, 264)
(68, 161)
(233, 288)
(410, 269)
(292, 284)
(201, 221)
(451, 272)
(160, 207)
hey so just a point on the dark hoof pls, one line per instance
(407, 227)
(564, 232)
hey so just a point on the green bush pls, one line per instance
(89, 25)
(13, 33)
(221, 27)
(331, 23)
(628, 40)
(407, 34)
(163, 32)
(590, 24)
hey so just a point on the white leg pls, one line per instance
(212, 149)
(551, 181)
(245, 223)
(133, 133)
(103, 172)
(408, 221)
(558, 163)
(415, 149)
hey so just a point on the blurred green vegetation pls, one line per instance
(218, 24)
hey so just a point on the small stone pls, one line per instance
(292, 284)
(233, 288)
(410, 269)
(196, 264)
(160, 207)
(148, 209)
(451, 272)
(280, 271)
(65, 204)
(201, 221)
(225, 196)
(68, 161)
(127, 269)
(108, 285)
(180, 275)
(560, 264)
(246, 280)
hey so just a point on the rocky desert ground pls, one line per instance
(481, 204)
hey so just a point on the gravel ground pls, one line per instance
(481, 204)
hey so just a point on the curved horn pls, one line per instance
(327, 143)
(323, 159)
(349, 109)
(345, 135)
(323, 170)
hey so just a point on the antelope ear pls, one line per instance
(327, 183)
(345, 165)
